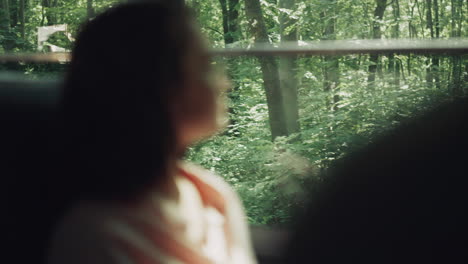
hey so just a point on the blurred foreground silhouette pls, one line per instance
(403, 199)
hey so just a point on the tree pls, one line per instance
(269, 69)
(225, 12)
(233, 16)
(456, 9)
(331, 67)
(435, 59)
(394, 66)
(22, 19)
(49, 13)
(231, 34)
(230, 20)
(7, 37)
(287, 66)
(376, 34)
(430, 26)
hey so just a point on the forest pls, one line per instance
(290, 117)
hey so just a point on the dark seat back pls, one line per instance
(27, 118)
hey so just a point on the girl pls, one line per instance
(139, 91)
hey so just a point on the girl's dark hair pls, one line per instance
(126, 68)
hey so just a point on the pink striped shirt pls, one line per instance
(207, 225)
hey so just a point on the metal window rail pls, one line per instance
(456, 46)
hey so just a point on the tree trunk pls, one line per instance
(26, 11)
(435, 59)
(90, 9)
(49, 15)
(429, 21)
(224, 11)
(421, 16)
(454, 19)
(233, 17)
(393, 64)
(413, 32)
(331, 69)
(376, 34)
(269, 69)
(230, 21)
(231, 35)
(287, 69)
(5, 26)
(22, 19)
(13, 13)
(437, 20)
(456, 87)
(460, 17)
(429, 25)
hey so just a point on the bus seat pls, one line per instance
(27, 110)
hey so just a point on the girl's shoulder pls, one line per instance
(207, 180)
(225, 199)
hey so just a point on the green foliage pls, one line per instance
(60, 39)
(271, 177)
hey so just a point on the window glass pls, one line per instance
(290, 117)
(44, 26)
(319, 108)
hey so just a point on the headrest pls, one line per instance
(16, 90)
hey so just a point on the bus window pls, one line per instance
(292, 112)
